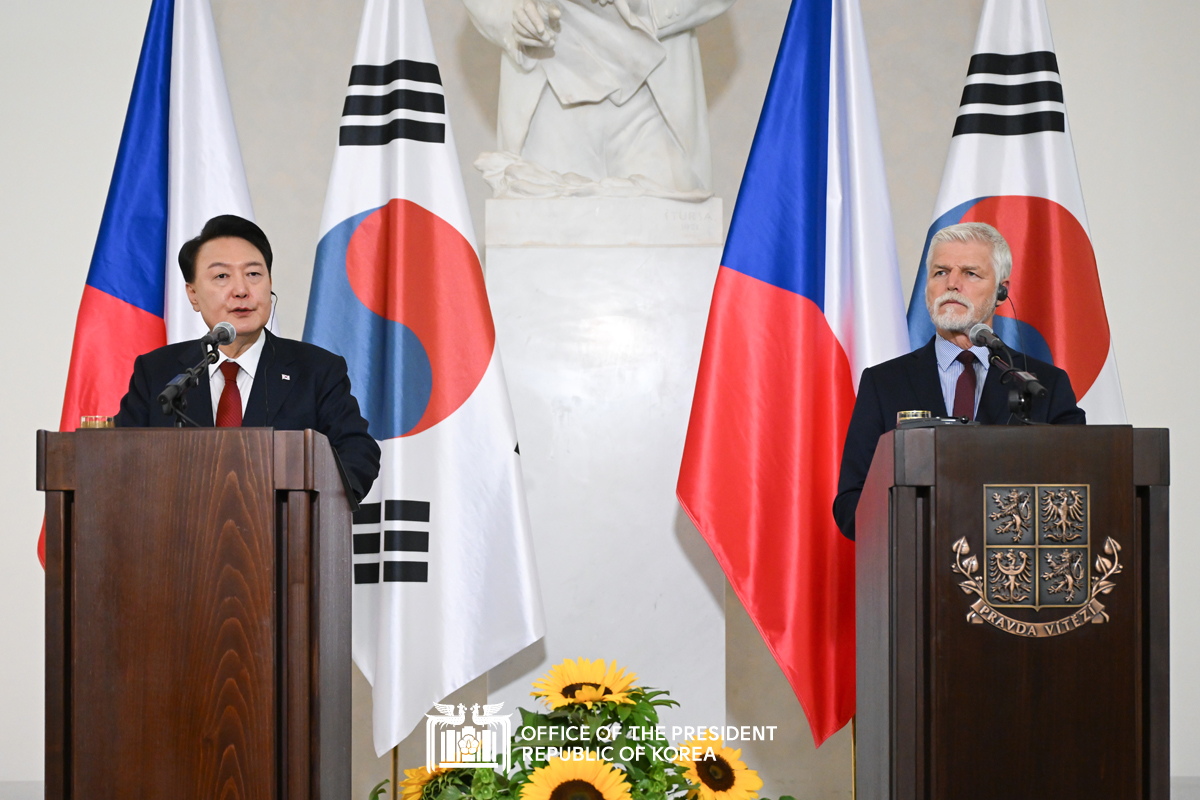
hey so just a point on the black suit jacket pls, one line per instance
(314, 394)
(910, 383)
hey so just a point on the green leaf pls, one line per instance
(379, 789)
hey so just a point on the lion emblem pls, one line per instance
(1013, 508)
(1067, 572)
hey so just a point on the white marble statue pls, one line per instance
(599, 97)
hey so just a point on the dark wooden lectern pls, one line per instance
(1012, 615)
(197, 614)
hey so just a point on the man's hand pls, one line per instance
(534, 23)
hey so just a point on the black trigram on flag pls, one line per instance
(1011, 95)
(396, 526)
(400, 100)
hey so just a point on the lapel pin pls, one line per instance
(285, 377)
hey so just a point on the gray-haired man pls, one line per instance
(966, 278)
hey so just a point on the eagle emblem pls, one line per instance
(1010, 576)
(1064, 512)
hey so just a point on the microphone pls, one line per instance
(983, 336)
(223, 333)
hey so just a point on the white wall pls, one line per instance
(1130, 83)
(66, 69)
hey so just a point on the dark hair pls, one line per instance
(216, 228)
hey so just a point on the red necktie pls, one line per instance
(964, 391)
(229, 409)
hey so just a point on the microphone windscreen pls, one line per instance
(225, 332)
(977, 334)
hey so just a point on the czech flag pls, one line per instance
(1012, 165)
(178, 164)
(808, 296)
(445, 584)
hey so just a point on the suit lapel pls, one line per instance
(993, 403)
(199, 399)
(925, 383)
(270, 388)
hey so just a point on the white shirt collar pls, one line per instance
(248, 360)
(947, 352)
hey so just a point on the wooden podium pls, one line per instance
(1012, 608)
(197, 614)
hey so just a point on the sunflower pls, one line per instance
(719, 776)
(414, 782)
(584, 682)
(576, 780)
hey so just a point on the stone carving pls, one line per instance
(599, 97)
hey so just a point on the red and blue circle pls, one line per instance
(399, 293)
(1057, 309)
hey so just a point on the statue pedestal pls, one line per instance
(600, 307)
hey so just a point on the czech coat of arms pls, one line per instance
(1036, 555)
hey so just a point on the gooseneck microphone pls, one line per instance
(1025, 384)
(983, 336)
(222, 333)
(172, 399)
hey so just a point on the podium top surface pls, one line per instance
(916, 449)
(300, 460)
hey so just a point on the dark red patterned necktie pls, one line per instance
(964, 391)
(229, 409)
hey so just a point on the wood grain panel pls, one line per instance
(330, 638)
(880, 510)
(56, 460)
(949, 709)
(1154, 522)
(173, 648)
(57, 689)
(1046, 717)
(297, 641)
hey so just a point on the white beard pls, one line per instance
(955, 321)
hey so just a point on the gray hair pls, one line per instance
(976, 232)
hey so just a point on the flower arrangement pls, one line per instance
(597, 739)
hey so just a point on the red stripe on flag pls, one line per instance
(1056, 284)
(773, 400)
(109, 334)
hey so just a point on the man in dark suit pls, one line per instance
(967, 277)
(260, 380)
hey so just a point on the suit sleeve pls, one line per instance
(867, 424)
(135, 405)
(1063, 408)
(339, 418)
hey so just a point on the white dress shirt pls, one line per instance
(248, 363)
(949, 368)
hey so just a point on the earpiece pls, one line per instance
(1001, 294)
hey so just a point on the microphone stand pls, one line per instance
(172, 398)
(1025, 385)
